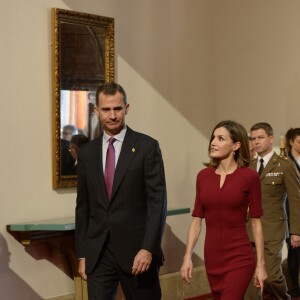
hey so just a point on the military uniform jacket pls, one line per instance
(278, 180)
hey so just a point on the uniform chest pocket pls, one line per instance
(273, 186)
(273, 180)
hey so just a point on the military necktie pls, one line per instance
(261, 167)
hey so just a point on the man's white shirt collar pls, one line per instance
(266, 158)
(119, 137)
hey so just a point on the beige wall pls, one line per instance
(163, 54)
(184, 64)
(257, 48)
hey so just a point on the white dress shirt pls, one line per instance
(117, 145)
(266, 159)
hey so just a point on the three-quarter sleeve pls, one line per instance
(255, 201)
(198, 208)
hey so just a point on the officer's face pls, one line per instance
(263, 143)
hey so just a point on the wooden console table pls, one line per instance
(36, 231)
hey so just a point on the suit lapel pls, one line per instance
(127, 153)
(96, 161)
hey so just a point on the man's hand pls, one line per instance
(295, 240)
(141, 262)
(81, 268)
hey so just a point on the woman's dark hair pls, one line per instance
(290, 136)
(237, 134)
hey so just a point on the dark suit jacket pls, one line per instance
(278, 179)
(135, 216)
(67, 161)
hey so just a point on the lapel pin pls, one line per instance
(133, 149)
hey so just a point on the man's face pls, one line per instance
(111, 111)
(262, 142)
(67, 134)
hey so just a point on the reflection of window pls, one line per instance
(74, 109)
(77, 108)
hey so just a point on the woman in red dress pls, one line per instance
(226, 190)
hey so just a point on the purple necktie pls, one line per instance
(110, 166)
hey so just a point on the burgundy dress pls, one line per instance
(229, 257)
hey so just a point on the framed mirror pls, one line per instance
(82, 59)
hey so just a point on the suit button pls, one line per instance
(106, 231)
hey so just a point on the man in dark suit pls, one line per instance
(120, 217)
(278, 179)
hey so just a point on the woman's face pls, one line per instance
(222, 145)
(296, 144)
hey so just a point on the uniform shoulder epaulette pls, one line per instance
(285, 158)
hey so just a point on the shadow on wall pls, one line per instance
(55, 250)
(11, 285)
(174, 250)
(181, 68)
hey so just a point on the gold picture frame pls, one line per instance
(82, 59)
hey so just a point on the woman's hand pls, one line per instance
(193, 234)
(186, 269)
(260, 277)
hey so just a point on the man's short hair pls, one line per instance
(79, 139)
(110, 88)
(263, 125)
(72, 128)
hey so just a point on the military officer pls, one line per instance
(278, 180)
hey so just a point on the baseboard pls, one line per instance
(64, 297)
(174, 288)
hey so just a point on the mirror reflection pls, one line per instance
(79, 124)
(83, 58)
